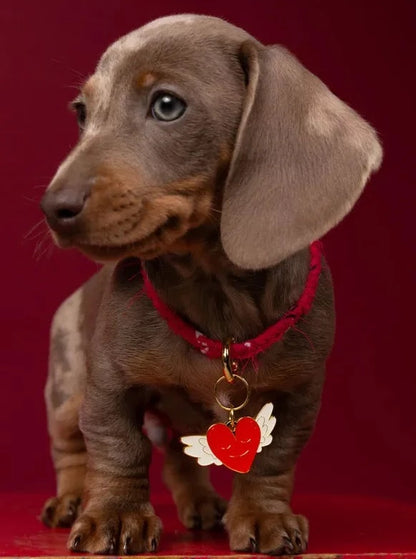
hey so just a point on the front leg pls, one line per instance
(259, 516)
(117, 516)
(199, 506)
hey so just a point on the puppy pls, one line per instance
(210, 162)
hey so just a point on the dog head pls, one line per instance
(190, 126)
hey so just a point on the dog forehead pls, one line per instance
(178, 30)
(135, 40)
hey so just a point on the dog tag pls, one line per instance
(234, 444)
(236, 448)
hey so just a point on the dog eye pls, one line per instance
(81, 111)
(167, 107)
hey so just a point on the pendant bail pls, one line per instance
(229, 366)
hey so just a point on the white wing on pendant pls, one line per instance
(197, 446)
(266, 421)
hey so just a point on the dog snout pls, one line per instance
(63, 207)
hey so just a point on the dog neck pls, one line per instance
(220, 299)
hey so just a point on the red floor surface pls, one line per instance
(339, 525)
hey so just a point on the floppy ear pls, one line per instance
(300, 161)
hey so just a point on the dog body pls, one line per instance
(216, 161)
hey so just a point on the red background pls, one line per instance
(364, 51)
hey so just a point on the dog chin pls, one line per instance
(142, 248)
(61, 242)
(116, 253)
(146, 248)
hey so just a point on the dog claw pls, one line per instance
(76, 543)
(288, 546)
(219, 516)
(298, 539)
(253, 545)
(60, 511)
(126, 546)
(153, 545)
(112, 546)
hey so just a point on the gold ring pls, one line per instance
(235, 408)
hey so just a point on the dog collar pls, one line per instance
(249, 348)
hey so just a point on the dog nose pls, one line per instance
(63, 208)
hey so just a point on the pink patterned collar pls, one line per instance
(250, 348)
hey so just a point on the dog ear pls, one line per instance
(300, 161)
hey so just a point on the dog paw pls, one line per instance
(272, 534)
(201, 509)
(61, 512)
(109, 532)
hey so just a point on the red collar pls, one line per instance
(249, 348)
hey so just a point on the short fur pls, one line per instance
(220, 205)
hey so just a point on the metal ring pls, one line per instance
(235, 408)
(226, 361)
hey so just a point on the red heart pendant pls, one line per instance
(235, 450)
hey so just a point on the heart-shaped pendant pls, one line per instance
(236, 450)
(233, 448)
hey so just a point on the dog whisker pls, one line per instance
(79, 74)
(35, 235)
(43, 246)
(76, 87)
(28, 235)
(31, 200)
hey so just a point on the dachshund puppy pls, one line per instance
(212, 162)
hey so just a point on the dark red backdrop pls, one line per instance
(364, 50)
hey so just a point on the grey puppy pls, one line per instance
(215, 160)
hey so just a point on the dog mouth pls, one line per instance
(118, 252)
(151, 245)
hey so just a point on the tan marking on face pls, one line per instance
(144, 220)
(226, 152)
(146, 79)
(188, 185)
